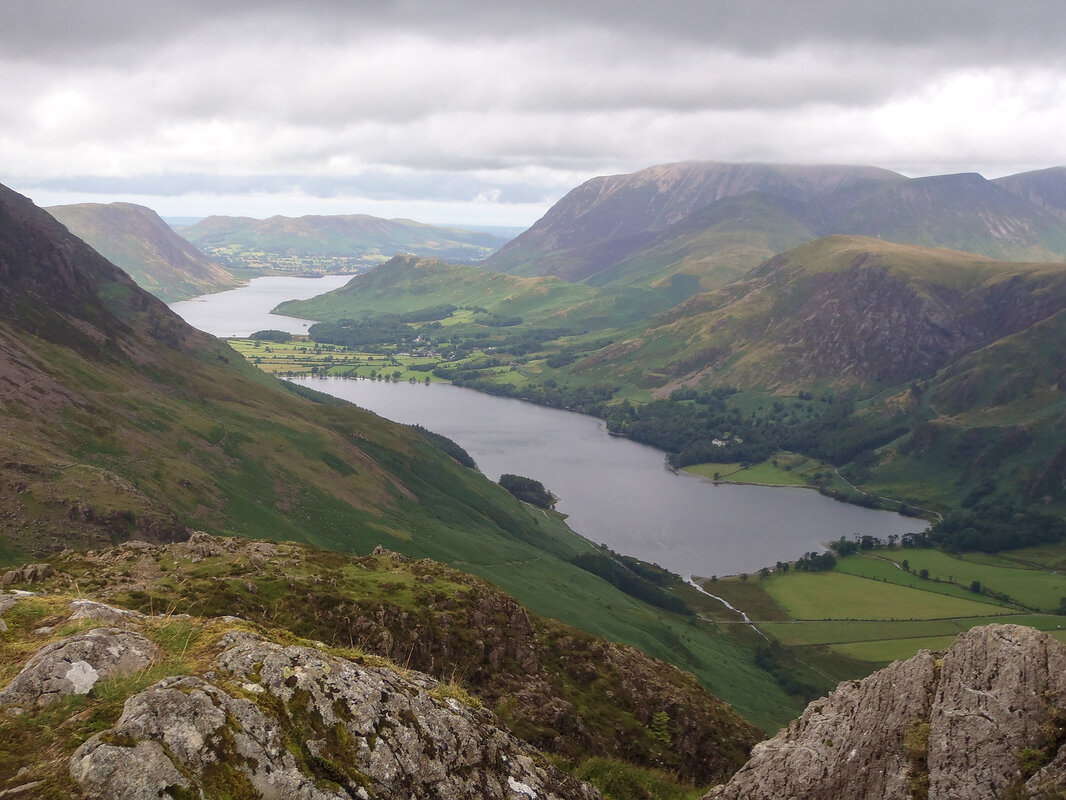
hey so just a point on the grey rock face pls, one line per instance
(31, 573)
(90, 609)
(984, 719)
(75, 664)
(294, 722)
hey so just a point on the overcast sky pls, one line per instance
(466, 111)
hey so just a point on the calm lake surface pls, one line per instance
(617, 491)
(243, 311)
(614, 490)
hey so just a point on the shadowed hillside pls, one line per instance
(135, 238)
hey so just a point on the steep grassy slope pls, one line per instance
(845, 311)
(713, 246)
(407, 283)
(135, 238)
(120, 421)
(326, 242)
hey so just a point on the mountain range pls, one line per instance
(714, 221)
(331, 243)
(928, 306)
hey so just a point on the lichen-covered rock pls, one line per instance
(974, 724)
(295, 722)
(74, 665)
(101, 612)
(538, 674)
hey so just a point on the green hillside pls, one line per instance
(838, 312)
(407, 284)
(135, 238)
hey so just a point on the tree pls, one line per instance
(976, 587)
(528, 490)
(659, 729)
(271, 336)
(923, 573)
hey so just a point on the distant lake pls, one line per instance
(615, 491)
(619, 492)
(243, 311)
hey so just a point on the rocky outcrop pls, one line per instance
(30, 573)
(74, 665)
(275, 721)
(562, 691)
(241, 715)
(983, 720)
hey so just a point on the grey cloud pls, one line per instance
(454, 100)
(59, 28)
(373, 184)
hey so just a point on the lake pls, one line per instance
(619, 492)
(614, 490)
(245, 310)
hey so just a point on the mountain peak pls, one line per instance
(608, 218)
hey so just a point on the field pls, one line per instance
(783, 469)
(1030, 587)
(837, 595)
(301, 356)
(869, 609)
